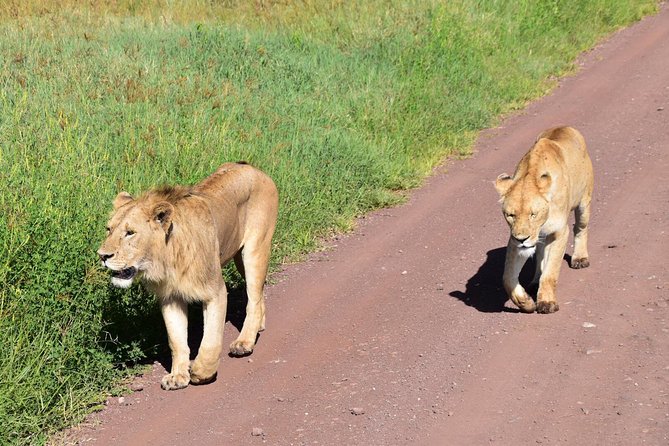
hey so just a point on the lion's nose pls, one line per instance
(521, 239)
(104, 256)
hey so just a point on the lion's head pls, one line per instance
(525, 205)
(136, 233)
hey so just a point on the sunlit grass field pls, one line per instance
(344, 104)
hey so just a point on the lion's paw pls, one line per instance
(201, 374)
(241, 348)
(580, 263)
(524, 303)
(202, 379)
(175, 381)
(547, 307)
(527, 306)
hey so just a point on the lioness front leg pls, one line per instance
(203, 369)
(512, 266)
(554, 252)
(175, 314)
(255, 266)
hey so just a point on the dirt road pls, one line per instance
(400, 333)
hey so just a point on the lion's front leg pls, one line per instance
(555, 248)
(203, 369)
(512, 266)
(175, 314)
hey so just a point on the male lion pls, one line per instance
(178, 238)
(552, 179)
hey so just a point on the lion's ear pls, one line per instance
(162, 214)
(121, 199)
(503, 183)
(545, 181)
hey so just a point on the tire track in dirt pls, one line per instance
(405, 318)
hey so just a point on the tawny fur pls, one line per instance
(177, 239)
(554, 178)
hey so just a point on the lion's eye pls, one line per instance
(129, 233)
(108, 229)
(533, 215)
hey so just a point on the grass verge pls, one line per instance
(342, 103)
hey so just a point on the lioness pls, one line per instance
(176, 239)
(552, 179)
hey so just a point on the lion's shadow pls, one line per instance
(484, 290)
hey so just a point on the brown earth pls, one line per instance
(400, 334)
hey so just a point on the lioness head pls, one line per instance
(136, 231)
(525, 204)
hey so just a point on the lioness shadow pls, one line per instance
(484, 290)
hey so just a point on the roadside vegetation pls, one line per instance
(344, 104)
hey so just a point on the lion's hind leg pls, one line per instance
(582, 213)
(539, 260)
(204, 367)
(239, 264)
(255, 259)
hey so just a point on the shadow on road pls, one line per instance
(484, 290)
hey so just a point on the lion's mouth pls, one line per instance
(125, 274)
(527, 251)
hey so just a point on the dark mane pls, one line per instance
(172, 194)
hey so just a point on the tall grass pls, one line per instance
(342, 103)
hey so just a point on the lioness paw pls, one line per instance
(527, 306)
(580, 263)
(524, 302)
(547, 307)
(175, 381)
(241, 348)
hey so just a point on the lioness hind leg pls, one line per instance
(255, 258)
(582, 214)
(539, 260)
(239, 264)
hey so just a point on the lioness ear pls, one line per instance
(503, 183)
(121, 199)
(544, 182)
(162, 214)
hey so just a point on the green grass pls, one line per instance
(343, 103)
